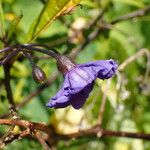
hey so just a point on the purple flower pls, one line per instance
(79, 81)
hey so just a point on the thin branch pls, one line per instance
(95, 131)
(8, 86)
(103, 103)
(26, 124)
(53, 53)
(41, 140)
(7, 68)
(140, 53)
(147, 66)
(41, 57)
(6, 135)
(27, 55)
(9, 57)
(6, 49)
(135, 14)
(13, 137)
(30, 126)
(27, 48)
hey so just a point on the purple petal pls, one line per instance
(79, 78)
(102, 69)
(58, 103)
(61, 99)
(78, 100)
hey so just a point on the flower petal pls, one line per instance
(102, 69)
(61, 102)
(61, 99)
(79, 78)
(78, 100)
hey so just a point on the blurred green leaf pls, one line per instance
(52, 10)
(35, 111)
(89, 3)
(20, 70)
(24, 144)
(19, 89)
(136, 3)
(13, 27)
(2, 28)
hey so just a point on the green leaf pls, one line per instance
(19, 90)
(2, 29)
(136, 3)
(13, 26)
(51, 11)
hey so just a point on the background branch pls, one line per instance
(132, 15)
(7, 68)
(95, 131)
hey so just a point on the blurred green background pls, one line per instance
(128, 99)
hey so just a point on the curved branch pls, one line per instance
(95, 131)
(26, 124)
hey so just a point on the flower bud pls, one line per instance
(38, 74)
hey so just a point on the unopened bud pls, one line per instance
(38, 74)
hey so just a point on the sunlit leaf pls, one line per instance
(52, 10)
